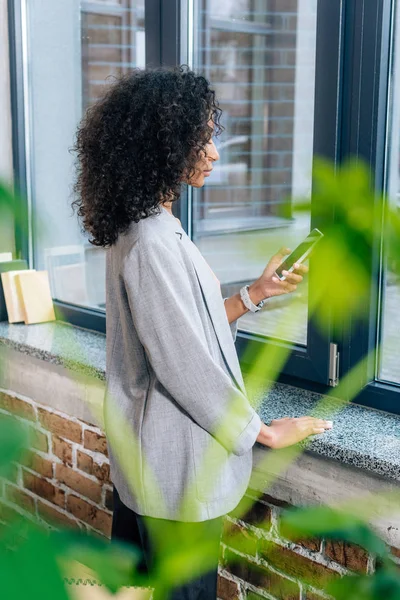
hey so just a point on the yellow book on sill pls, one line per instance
(12, 295)
(36, 296)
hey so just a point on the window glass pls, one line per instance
(389, 366)
(260, 58)
(74, 53)
(241, 9)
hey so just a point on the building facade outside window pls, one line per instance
(102, 40)
(260, 57)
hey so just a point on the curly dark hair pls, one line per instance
(136, 145)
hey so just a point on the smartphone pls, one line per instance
(300, 254)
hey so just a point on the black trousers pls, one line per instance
(132, 528)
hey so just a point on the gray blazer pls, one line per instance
(175, 394)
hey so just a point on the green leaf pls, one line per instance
(383, 585)
(13, 438)
(13, 204)
(114, 564)
(31, 571)
(323, 521)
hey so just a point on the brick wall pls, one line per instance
(63, 480)
(256, 556)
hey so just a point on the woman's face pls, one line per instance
(205, 164)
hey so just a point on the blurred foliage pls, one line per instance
(323, 521)
(327, 523)
(352, 215)
(12, 203)
(13, 437)
(33, 562)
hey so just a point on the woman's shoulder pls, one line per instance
(157, 232)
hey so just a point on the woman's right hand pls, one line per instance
(288, 431)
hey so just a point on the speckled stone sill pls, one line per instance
(80, 350)
(361, 437)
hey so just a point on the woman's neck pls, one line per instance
(168, 207)
(167, 201)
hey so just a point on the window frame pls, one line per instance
(350, 37)
(19, 132)
(370, 33)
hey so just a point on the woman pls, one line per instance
(180, 428)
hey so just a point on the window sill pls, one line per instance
(362, 437)
(59, 343)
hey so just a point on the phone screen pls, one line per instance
(302, 251)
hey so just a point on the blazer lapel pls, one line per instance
(217, 312)
(213, 300)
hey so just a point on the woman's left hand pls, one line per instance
(268, 284)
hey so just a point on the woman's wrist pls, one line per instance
(265, 436)
(234, 305)
(256, 293)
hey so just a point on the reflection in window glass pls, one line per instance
(74, 53)
(389, 367)
(240, 9)
(111, 45)
(261, 62)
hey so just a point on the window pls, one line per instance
(74, 52)
(295, 79)
(112, 43)
(260, 57)
(389, 367)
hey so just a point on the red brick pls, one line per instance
(227, 589)
(288, 6)
(109, 500)
(84, 462)
(102, 472)
(261, 577)
(282, 75)
(259, 515)
(63, 450)
(38, 440)
(395, 551)
(253, 512)
(17, 407)
(20, 498)
(56, 517)
(294, 564)
(60, 425)
(88, 465)
(238, 537)
(79, 483)
(95, 442)
(11, 473)
(348, 555)
(313, 543)
(38, 463)
(44, 489)
(8, 514)
(93, 516)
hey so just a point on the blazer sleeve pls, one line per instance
(169, 327)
